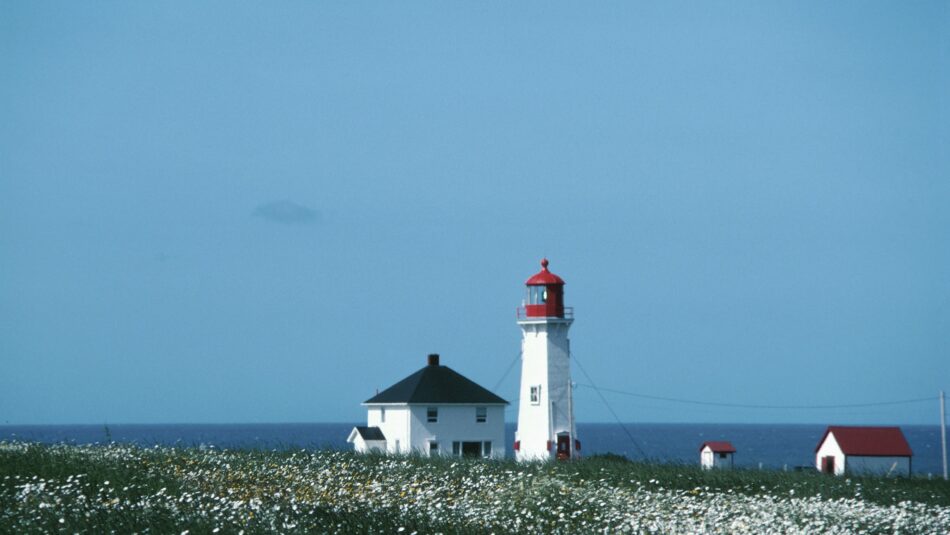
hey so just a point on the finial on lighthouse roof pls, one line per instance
(544, 264)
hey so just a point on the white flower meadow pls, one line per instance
(218, 490)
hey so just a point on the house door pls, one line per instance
(828, 465)
(563, 447)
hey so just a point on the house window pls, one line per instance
(471, 448)
(382, 415)
(432, 415)
(481, 414)
(535, 395)
(723, 455)
(433, 448)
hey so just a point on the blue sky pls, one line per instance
(262, 212)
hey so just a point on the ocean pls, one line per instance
(779, 447)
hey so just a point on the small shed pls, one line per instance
(863, 450)
(716, 454)
(367, 439)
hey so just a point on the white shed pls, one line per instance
(716, 455)
(863, 450)
(436, 411)
(367, 439)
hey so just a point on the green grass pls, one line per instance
(137, 478)
(93, 489)
(879, 490)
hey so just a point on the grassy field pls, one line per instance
(125, 489)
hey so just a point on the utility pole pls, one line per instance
(570, 421)
(943, 432)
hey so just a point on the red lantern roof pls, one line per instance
(544, 277)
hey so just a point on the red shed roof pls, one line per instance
(869, 441)
(544, 277)
(719, 447)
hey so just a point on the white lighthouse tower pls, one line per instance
(545, 413)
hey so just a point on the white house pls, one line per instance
(863, 450)
(435, 411)
(546, 428)
(716, 455)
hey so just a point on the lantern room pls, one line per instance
(545, 295)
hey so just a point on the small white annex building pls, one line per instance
(435, 411)
(863, 450)
(714, 454)
(367, 439)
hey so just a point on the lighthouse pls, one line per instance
(545, 413)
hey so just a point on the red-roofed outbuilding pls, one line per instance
(716, 454)
(863, 450)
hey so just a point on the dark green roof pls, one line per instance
(436, 384)
(370, 433)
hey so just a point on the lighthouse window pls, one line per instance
(432, 415)
(535, 395)
(481, 414)
(537, 295)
